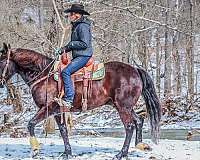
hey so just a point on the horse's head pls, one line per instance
(7, 66)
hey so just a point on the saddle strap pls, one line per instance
(90, 82)
(59, 83)
(85, 90)
(87, 87)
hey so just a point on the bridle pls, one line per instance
(3, 76)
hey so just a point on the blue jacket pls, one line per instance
(81, 39)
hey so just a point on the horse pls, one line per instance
(122, 86)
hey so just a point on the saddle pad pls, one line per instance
(98, 74)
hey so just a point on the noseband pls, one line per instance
(2, 80)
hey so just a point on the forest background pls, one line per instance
(162, 36)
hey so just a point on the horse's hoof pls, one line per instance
(117, 157)
(143, 146)
(64, 155)
(35, 154)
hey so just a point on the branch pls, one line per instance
(64, 29)
(145, 19)
(58, 15)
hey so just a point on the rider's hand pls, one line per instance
(58, 51)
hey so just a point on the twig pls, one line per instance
(64, 29)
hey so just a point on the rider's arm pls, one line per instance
(84, 39)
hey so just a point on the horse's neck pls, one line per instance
(31, 66)
(30, 77)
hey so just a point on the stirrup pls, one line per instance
(67, 104)
(58, 100)
(62, 103)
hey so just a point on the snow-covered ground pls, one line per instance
(99, 148)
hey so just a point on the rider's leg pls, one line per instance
(76, 64)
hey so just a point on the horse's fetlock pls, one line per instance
(68, 148)
(130, 126)
(31, 123)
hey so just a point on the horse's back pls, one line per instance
(121, 69)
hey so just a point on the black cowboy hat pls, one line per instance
(77, 8)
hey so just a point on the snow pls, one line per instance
(193, 123)
(99, 148)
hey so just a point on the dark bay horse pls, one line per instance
(122, 86)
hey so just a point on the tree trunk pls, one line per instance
(167, 77)
(189, 56)
(175, 51)
(158, 62)
(143, 54)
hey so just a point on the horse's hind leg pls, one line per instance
(127, 119)
(138, 120)
(64, 134)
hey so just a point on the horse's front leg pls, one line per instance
(39, 116)
(64, 134)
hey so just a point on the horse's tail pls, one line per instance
(152, 103)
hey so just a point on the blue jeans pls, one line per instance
(76, 64)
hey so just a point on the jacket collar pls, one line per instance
(77, 21)
(81, 20)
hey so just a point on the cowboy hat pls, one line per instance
(77, 8)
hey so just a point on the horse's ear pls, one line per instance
(5, 48)
(9, 46)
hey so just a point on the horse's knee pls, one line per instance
(31, 125)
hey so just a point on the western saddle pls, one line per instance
(90, 72)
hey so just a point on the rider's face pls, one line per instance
(73, 16)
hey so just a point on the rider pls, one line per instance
(81, 47)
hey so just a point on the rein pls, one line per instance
(41, 79)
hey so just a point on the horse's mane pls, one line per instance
(30, 59)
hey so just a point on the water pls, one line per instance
(171, 134)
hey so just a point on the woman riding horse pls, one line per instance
(121, 86)
(81, 47)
